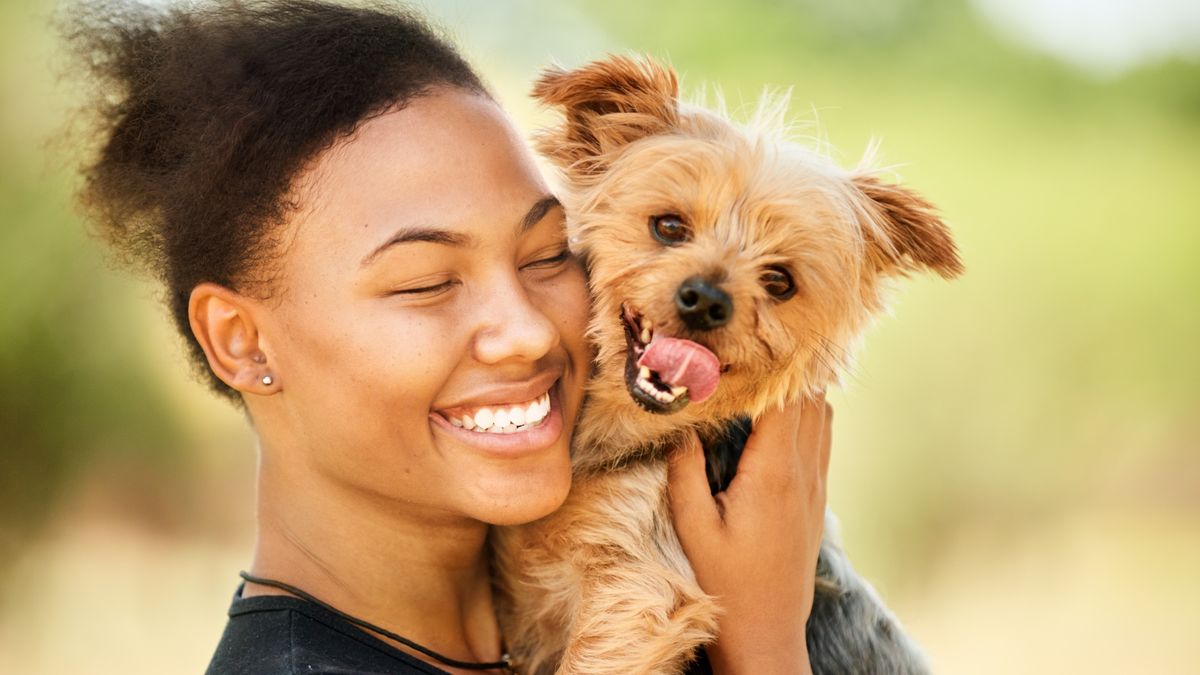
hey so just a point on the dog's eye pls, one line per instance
(778, 282)
(670, 229)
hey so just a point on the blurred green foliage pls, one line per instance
(72, 393)
(1059, 372)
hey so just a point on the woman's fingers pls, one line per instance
(826, 438)
(810, 436)
(755, 546)
(692, 507)
(788, 453)
(786, 440)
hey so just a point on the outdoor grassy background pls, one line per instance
(1016, 459)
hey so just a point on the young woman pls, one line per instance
(356, 244)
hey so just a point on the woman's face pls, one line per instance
(426, 288)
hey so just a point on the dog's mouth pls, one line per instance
(664, 374)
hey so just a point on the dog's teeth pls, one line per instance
(647, 331)
(678, 391)
(644, 373)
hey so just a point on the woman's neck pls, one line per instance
(413, 571)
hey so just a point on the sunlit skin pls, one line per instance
(366, 499)
(424, 274)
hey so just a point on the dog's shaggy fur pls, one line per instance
(602, 585)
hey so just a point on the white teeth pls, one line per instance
(537, 410)
(643, 382)
(500, 419)
(506, 420)
(647, 330)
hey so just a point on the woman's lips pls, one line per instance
(510, 441)
(505, 418)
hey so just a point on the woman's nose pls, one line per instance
(513, 327)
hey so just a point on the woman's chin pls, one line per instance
(516, 500)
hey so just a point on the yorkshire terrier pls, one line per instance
(731, 270)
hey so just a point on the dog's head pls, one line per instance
(730, 269)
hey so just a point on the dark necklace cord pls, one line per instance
(504, 663)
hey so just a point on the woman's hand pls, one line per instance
(755, 545)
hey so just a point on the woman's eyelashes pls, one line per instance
(425, 291)
(543, 263)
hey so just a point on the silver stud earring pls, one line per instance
(267, 380)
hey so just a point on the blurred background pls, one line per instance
(1016, 460)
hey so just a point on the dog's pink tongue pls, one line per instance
(683, 363)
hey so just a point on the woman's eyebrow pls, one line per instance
(427, 234)
(538, 211)
(458, 239)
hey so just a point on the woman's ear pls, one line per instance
(908, 235)
(606, 105)
(223, 322)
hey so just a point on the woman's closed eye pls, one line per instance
(428, 288)
(425, 290)
(549, 262)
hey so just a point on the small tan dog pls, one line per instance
(730, 271)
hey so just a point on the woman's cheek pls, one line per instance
(569, 299)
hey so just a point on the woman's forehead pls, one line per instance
(444, 140)
(449, 159)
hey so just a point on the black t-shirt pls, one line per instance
(283, 635)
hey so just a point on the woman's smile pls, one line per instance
(499, 407)
(513, 430)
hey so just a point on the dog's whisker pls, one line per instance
(846, 364)
(829, 347)
(824, 360)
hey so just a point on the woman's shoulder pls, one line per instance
(279, 635)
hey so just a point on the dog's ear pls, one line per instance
(916, 237)
(606, 105)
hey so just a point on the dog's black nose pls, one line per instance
(702, 305)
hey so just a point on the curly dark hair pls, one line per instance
(204, 115)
